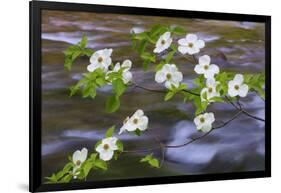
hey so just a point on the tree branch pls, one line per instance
(164, 146)
(239, 107)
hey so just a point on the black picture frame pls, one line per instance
(36, 7)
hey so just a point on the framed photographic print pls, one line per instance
(125, 96)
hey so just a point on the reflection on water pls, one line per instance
(72, 123)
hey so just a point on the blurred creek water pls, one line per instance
(72, 123)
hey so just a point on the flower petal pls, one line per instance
(139, 113)
(197, 120)
(191, 37)
(199, 69)
(84, 154)
(166, 35)
(127, 77)
(76, 156)
(238, 79)
(232, 92)
(204, 60)
(193, 50)
(211, 82)
(158, 49)
(200, 44)
(127, 64)
(116, 67)
(183, 49)
(204, 90)
(209, 74)
(168, 84)
(160, 76)
(106, 155)
(214, 68)
(94, 57)
(99, 148)
(243, 91)
(143, 123)
(206, 128)
(131, 127)
(183, 42)
(209, 117)
(92, 67)
(177, 77)
(107, 52)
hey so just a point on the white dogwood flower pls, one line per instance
(137, 121)
(190, 44)
(236, 87)
(100, 59)
(163, 42)
(106, 148)
(204, 122)
(126, 74)
(78, 158)
(205, 67)
(170, 75)
(210, 90)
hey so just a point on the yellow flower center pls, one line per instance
(202, 120)
(206, 67)
(236, 87)
(168, 76)
(210, 89)
(100, 59)
(78, 162)
(105, 146)
(190, 45)
(135, 121)
(163, 42)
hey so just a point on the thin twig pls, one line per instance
(160, 91)
(148, 89)
(243, 110)
(204, 135)
(161, 145)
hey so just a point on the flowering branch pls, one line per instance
(211, 86)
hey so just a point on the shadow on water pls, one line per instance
(72, 123)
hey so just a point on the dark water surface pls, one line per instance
(69, 124)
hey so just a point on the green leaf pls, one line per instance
(87, 168)
(101, 81)
(118, 87)
(179, 30)
(83, 42)
(148, 56)
(100, 164)
(112, 104)
(98, 143)
(200, 106)
(66, 179)
(169, 95)
(145, 65)
(170, 56)
(142, 47)
(151, 161)
(88, 52)
(138, 132)
(120, 145)
(154, 163)
(199, 81)
(89, 90)
(110, 131)
(159, 66)
(217, 99)
(71, 53)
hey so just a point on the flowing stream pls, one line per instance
(72, 123)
